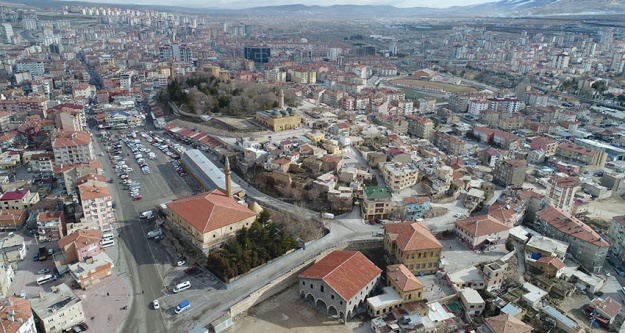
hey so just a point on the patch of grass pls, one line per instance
(410, 94)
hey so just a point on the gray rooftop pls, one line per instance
(204, 169)
(51, 302)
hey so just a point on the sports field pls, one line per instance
(438, 85)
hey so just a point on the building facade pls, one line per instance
(561, 191)
(413, 245)
(376, 202)
(586, 246)
(72, 148)
(58, 310)
(510, 172)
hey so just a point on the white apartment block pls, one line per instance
(96, 202)
(72, 148)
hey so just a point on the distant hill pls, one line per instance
(496, 8)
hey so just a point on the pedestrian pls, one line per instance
(143, 292)
(107, 294)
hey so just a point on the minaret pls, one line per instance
(228, 181)
(281, 99)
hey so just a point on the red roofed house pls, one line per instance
(18, 199)
(481, 231)
(79, 245)
(12, 218)
(585, 244)
(50, 226)
(96, 201)
(608, 309)
(340, 282)
(505, 323)
(413, 245)
(208, 219)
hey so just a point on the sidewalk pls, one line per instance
(104, 304)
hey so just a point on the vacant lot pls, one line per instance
(606, 209)
(437, 85)
(287, 313)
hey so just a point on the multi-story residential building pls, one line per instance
(42, 164)
(586, 246)
(80, 245)
(279, 120)
(12, 219)
(18, 199)
(70, 117)
(399, 176)
(506, 140)
(68, 174)
(420, 127)
(507, 104)
(50, 226)
(510, 172)
(480, 232)
(24, 105)
(376, 202)
(616, 236)
(34, 67)
(471, 300)
(58, 310)
(578, 154)
(5, 121)
(95, 200)
(208, 219)
(413, 245)
(414, 207)
(561, 191)
(340, 281)
(72, 148)
(450, 144)
(477, 106)
(548, 145)
(16, 316)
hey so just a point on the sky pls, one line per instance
(235, 4)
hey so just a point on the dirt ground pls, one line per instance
(606, 209)
(285, 312)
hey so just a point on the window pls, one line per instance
(304, 282)
(311, 286)
(321, 287)
(331, 296)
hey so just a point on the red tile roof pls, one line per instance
(412, 236)
(415, 199)
(608, 306)
(210, 211)
(81, 238)
(507, 324)
(401, 276)
(570, 225)
(347, 272)
(481, 225)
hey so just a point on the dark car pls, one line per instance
(36, 257)
(83, 326)
(159, 238)
(190, 269)
(599, 293)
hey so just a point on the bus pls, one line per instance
(45, 279)
(106, 243)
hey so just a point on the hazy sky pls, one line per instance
(261, 3)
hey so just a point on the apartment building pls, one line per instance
(507, 104)
(16, 316)
(70, 117)
(420, 127)
(18, 199)
(450, 144)
(58, 309)
(510, 172)
(586, 246)
(616, 237)
(50, 226)
(413, 245)
(585, 156)
(95, 200)
(399, 176)
(414, 207)
(72, 148)
(376, 202)
(561, 191)
(548, 145)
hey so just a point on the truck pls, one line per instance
(154, 233)
(327, 216)
(182, 306)
(43, 253)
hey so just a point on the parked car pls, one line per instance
(155, 304)
(43, 271)
(159, 238)
(190, 269)
(180, 263)
(36, 257)
(84, 326)
(23, 294)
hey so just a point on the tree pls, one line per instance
(600, 87)
(509, 245)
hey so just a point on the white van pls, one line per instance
(107, 236)
(182, 286)
(106, 243)
(45, 279)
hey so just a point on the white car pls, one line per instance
(155, 304)
(457, 215)
(180, 263)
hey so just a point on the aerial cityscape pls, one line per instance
(371, 166)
